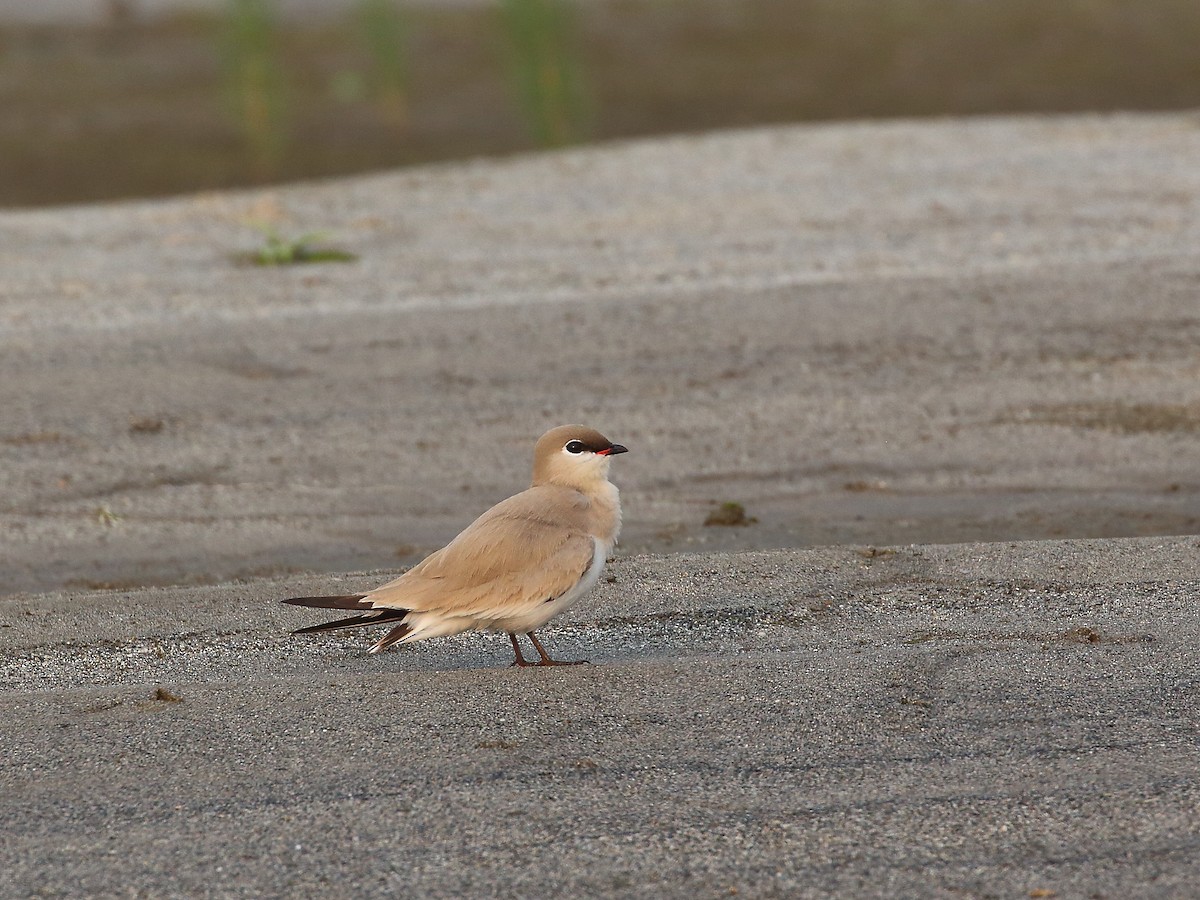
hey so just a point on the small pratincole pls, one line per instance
(514, 568)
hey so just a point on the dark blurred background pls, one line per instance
(101, 99)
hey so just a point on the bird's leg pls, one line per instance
(520, 660)
(546, 659)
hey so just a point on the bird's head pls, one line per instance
(573, 456)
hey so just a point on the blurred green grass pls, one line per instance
(546, 69)
(254, 79)
(135, 109)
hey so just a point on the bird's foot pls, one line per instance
(524, 663)
(546, 658)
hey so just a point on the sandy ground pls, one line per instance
(902, 335)
(894, 333)
(982, 720)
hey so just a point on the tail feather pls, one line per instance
(370, 615)
(345, 601)
(397, 634)
(377, 617)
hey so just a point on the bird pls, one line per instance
(514, 568)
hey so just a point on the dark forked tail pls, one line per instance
(370, 616)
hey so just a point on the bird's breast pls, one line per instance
(605, 515)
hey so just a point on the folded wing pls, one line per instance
(512, 557)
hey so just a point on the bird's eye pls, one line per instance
(574, 447)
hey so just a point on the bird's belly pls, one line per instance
(543, 612)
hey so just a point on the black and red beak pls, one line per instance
(612, 450)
